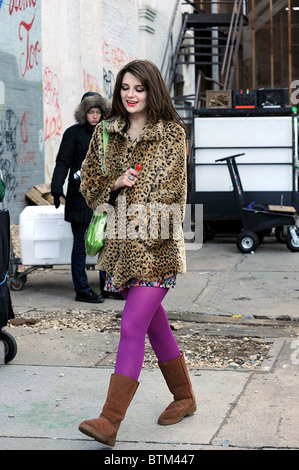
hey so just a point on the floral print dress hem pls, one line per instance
(168, 283)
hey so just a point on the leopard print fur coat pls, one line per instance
(142, 242)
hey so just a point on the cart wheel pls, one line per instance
(290, 242)
(280, 234)
(10, 346)
(208, 231)
(247, 241)
(261, 236)
(16, 283)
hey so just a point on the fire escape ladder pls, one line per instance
(210, 42)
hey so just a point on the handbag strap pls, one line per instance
(105, 142)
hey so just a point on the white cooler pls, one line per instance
(45, 237)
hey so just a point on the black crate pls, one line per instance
(272, 97)
(244, 99)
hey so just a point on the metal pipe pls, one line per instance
(271, 45)
(253, 41)
(290, 47)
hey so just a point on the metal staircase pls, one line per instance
(209, 39)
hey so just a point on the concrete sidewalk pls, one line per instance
(54, 381)
(219, 281)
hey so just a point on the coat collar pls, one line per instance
(150, 131)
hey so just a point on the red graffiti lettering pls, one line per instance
(32, 53)
(115, 55)
(23, 129)
(90, 82)
(25, 156)
(53, 121)
(53, 127)
(106, 55)
(51, 88)
(20, 5)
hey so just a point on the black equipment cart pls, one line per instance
(6, 310)
(257, 219)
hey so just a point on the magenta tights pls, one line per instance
(143, 314)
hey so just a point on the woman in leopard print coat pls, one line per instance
(141, 183)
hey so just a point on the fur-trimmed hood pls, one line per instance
(88, 102)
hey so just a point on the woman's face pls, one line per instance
(133, 95)
(93, 116)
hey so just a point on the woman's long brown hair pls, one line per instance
(160, 105)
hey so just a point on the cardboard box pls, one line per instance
(218, 99)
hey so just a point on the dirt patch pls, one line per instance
(208, 351)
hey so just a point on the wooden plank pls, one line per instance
(35, 196)
(40, 195)
(289, 209)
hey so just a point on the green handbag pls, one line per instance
(95, 235)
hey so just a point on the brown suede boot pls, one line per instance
(177, 378)
(120, 394)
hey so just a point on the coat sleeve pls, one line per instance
(171, 185)
(64, 159)
(96, 185)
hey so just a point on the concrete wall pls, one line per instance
(84, 47)
(53, 51)
(21, 100)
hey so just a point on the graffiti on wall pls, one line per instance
(21, 109)
(113, 58)
(90, 82)
(108, 82)
(15, 150)
(53, 120)
(26, 153)
(31, 50)
(121, 38)
(8, 145)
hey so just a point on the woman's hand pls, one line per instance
(129, 178)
